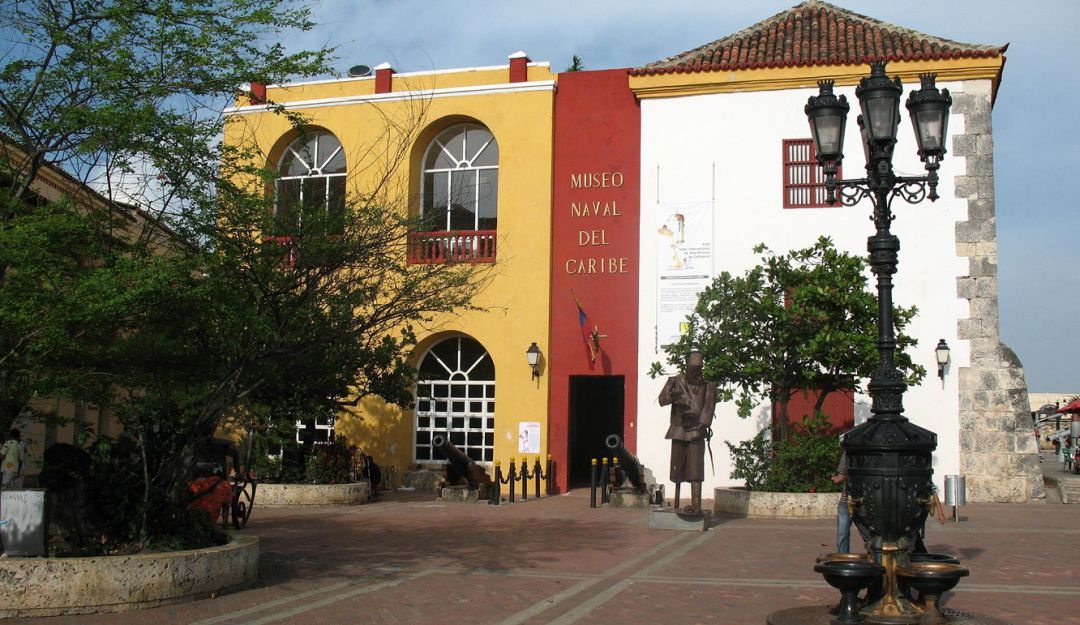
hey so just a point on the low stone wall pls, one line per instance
(57, 586)
(312, 494)
(739, 502)
(424, 480)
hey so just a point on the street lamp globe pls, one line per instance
(929, 110)
(879, 99)
(827, 115)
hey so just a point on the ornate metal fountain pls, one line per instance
(890, 469)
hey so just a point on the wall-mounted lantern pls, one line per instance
(942, 354)
(533, 356)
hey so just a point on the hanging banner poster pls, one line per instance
(684, 257)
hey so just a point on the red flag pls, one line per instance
(591, 336)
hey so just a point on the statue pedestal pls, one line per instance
(629, 499)
(459, 494)
(680, 521)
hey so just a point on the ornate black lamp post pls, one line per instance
(889, 458)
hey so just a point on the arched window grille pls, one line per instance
(455, 394)
(311, 184)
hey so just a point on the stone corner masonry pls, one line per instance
(997, 446)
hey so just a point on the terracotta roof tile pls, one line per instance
(816, 33)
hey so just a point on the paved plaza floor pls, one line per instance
(409, 560)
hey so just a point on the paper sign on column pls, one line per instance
(529, 437)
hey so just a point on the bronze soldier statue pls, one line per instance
(692, 399)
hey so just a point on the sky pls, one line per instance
(1036, 133)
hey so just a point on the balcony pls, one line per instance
(457, 246)
(287, 246)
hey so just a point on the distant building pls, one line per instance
(74, 421)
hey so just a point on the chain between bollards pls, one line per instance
(538, 473)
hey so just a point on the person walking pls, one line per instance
(843, 514)
(938, 511)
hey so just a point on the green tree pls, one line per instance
(110, 85)
(800, 320)
(805, 461)
(127, 95)
(576, 64)
(178, 312)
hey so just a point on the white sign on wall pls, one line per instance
(684, 258)
(529, 437)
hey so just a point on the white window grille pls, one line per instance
(461, 180)
(322, 433)
(455, 394)
(311, 181)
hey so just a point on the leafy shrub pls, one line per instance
(331, 464)
(804, 462)
(98, 504)
(751, 460)
(292, 463)
(181, 528)
(267, 468)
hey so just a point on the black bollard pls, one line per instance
(496, 487)
(538, 474)
(604, 479)
(512, 479)
(524, 479)
(592, 485)
(548, 476)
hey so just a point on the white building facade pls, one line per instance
(714, 122)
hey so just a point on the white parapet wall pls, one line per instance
(741, 502)
(57, 586)
(312, 494)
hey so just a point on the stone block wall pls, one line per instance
(997, 445)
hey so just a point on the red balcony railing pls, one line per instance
(461, 246)
(287, 246)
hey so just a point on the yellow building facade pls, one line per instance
(412, 137)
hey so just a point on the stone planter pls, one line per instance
(56, 586)
(312, 494)
(740, 502)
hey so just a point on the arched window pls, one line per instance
(455, 393)
(311, 184)
(461, 180)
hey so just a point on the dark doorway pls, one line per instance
(596, 410)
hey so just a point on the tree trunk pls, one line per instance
(780, 420)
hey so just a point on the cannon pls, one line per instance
(633, 474)
(460, 469)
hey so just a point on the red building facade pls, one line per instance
(594, 286)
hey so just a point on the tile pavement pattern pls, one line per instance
(556, 562)
(816, 33)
